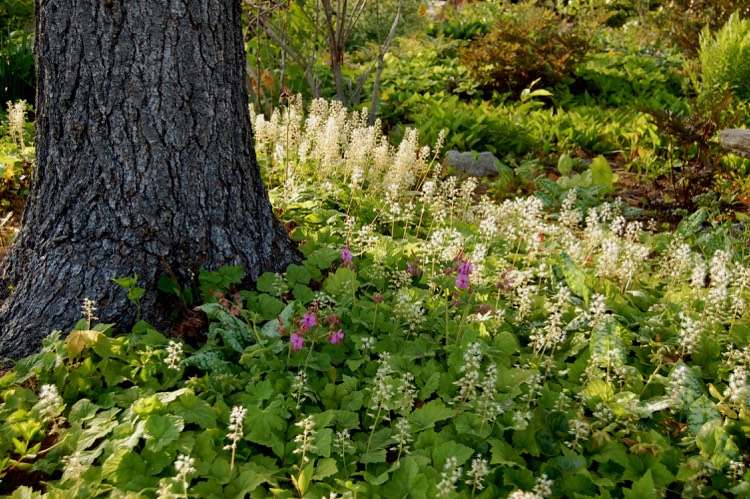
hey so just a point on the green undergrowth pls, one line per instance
(432, 343)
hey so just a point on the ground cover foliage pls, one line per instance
(433, 342)
(533, 335)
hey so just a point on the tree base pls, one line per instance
(49, 294)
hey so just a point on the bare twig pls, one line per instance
(375, 98)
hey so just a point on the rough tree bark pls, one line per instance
(145, 162)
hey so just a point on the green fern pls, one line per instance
(725, 60)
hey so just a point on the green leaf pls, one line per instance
(297, 274)
(302, 481)
(376, 480)
(82, 410)
(267, 426)
(343, 283)
(135, 294)
(132, 475)
(374, 456)
(162, 430)
(250, 477)
(642, 489)
(269, 307)
(126, 282)
(506, 343)
(101, 425)
(323, 258)
(78, 341)
(195, 410)
(266, 283)
(409, 479)
(221, 470)
(325, 468)
(701, 410)
(205, 445)
(448, 449)
(323, 441)
(504, 454)
(429, 414)
(565, 165)
(271, 328)
(599, 390)
(303, 294)
(220, 280)
(575, 278)
(601, 173)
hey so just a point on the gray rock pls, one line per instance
(470, 163)
(736, 140)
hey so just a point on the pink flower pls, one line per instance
(346, 255)
(297, 342)
(336, 337)
(465, 268)
(462, 281)
(309, 321)
(413, 269)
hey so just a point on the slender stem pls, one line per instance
(372, 432)
(447, 302)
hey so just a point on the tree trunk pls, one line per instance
(145, 163)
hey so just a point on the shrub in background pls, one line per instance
(16, 50)
(17, 77)
(464, 22)
(682, 21)
(417, 67)
(376, 19)
(527, 43)
(634, 78)
(725, 60)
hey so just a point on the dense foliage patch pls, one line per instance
(526, 44)
(433, 343)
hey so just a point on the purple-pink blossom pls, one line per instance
(309, 321)
(336, 337)
(413, 269)
(462, 281)
(465, 267)
(462, 278)
(346, 255)
(297, 342)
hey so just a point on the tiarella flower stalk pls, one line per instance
(477, 473)
(50, 403)
(88, 311)
(174, 355)
(300, 388)
(449, 477)
(469, 381)
(236, 430)
(185, 466)
(402, 436)
(305, 440)
(16, 120)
